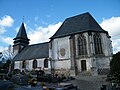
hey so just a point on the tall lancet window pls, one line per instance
(24, 64)
(46, 63)
(97, 44)
(82, 48)
(35, 63)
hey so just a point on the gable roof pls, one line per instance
(77, 24)
(35, 51)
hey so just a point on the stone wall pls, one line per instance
(62, 71)
(103, 71)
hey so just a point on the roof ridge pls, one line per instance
(78, 15)
(38, 44)
(79, 23)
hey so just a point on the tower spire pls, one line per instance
(21, 40)
(22, 33)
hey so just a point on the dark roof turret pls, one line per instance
(21, 38)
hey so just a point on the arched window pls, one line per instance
(24, 64)
(46, 63)
(82, 49)
(34, 63)
(97, 44)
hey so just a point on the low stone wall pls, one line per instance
(65, 72)
(103, 71)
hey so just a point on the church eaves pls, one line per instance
(78, 24)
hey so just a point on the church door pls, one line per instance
(83, 65)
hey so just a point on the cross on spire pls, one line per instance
(23, 19)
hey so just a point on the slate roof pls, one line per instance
(77, 24)
(35, 51)
(22, 33)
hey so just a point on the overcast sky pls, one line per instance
(42, 18)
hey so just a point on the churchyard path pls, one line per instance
(89, 82)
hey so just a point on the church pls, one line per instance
(79, 45)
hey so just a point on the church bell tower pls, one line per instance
(21, 40)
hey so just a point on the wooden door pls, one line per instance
(83, 65)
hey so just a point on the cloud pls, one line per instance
(6, 21)
(2, 30)
(8, 40)
(42, 34)
(116, 45)
(112, 25)
(3, 48)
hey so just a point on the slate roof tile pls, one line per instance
(77, 24)
(35, 51)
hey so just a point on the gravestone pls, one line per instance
(20, 79)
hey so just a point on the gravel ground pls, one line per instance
(26, 88)
(89, 82)
(82, 82)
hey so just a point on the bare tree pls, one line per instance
(7, 54)
(1, 56)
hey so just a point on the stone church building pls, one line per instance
(79, 45)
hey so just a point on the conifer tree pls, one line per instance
(115, 68)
